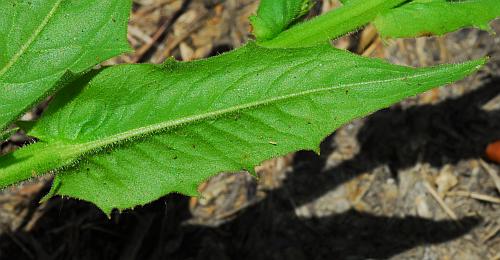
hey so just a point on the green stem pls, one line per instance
(331, 25)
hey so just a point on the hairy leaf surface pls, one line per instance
(137, 132)
(436, 17)
(43, 42)
(275, 16)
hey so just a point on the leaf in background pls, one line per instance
(43, 42)
(137, 132)
(331, 25)
(436, 17)
(275, 16)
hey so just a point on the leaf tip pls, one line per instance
(56, 184)
(479, 63)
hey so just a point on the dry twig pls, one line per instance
(492, 173)
(440, 201)
(475, 195)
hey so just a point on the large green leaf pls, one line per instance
(436, 17)
(274, 16)
(137, 132)
(43, 42)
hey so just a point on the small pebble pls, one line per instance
(493, 151)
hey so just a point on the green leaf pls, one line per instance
(137, 132)
(275, 16)
(336, 23)
(44, 42)
(436, 17)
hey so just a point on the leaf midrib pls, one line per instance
(31, 39)
(132, 134)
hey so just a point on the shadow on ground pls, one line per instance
(268, 230)
(446, 133)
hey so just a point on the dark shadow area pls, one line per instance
(453, 130)
(445, 133)
(269, 230)
(217, 50)
(350, 235)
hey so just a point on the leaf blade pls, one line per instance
(45, 42)
(188, 126)
(436, 17)
(275, 16)
(333, 24)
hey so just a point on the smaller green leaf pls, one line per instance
(275, 16)
(331, 25)
(436, 17)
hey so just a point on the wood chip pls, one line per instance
(492, 173)
(474, 195)
(368, 36)
(364, 189)
(492, 233)
(137, 33)
(446, 180)
(150, 43)
(187, 53)
(440, 201)
(493, 104)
